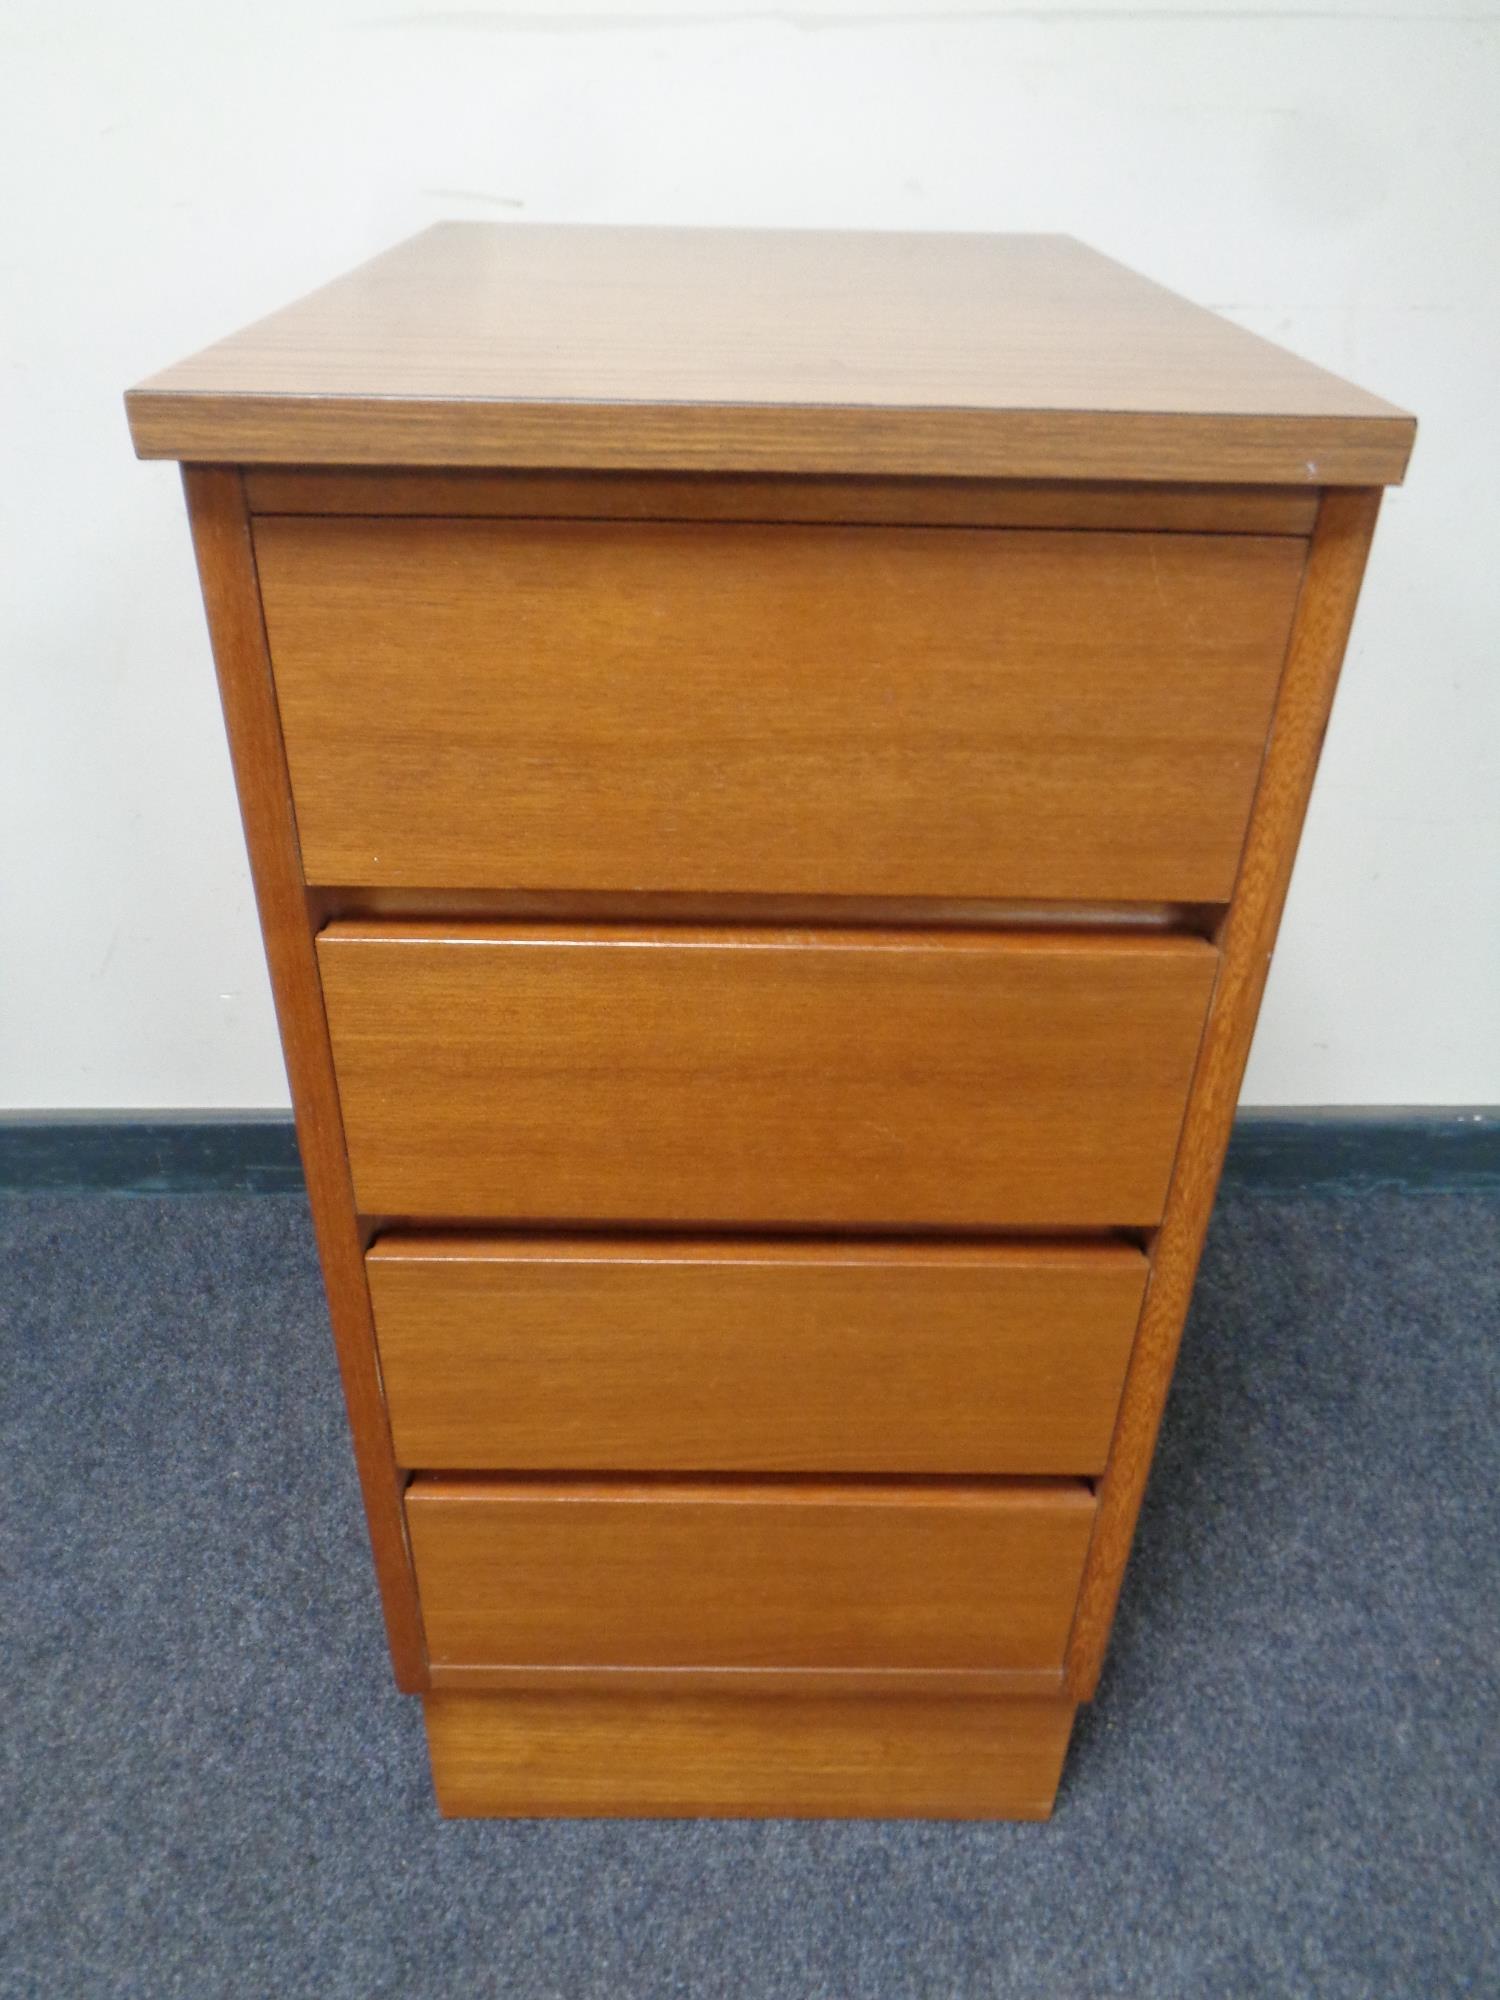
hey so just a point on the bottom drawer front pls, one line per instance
(511, 1354)
(774, 1574)
(758, 1756)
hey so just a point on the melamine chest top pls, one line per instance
(771, 764)
(1002, 357)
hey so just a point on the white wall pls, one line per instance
(1327, 176)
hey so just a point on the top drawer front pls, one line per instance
(736, 708)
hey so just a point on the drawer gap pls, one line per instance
(328, 903)
(613, 1481)
(434, 1232)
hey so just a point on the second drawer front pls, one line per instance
(816, 1078)
(776, 1575)
(753, 1357)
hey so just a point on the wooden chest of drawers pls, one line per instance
(771, 765)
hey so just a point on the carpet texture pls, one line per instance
(1287, 1787)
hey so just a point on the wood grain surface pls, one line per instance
(753, 1355)
(694, 1077)
(1025, 357)
(768, 1757)
(1325, 613)
(769, 1573)
(720, 707)
(221, 535)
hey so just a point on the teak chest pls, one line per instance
(771, 765)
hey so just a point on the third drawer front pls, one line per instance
(876, 1079)
(667, 1356)
(781, 1574)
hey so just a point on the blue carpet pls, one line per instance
(1288, 1785)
